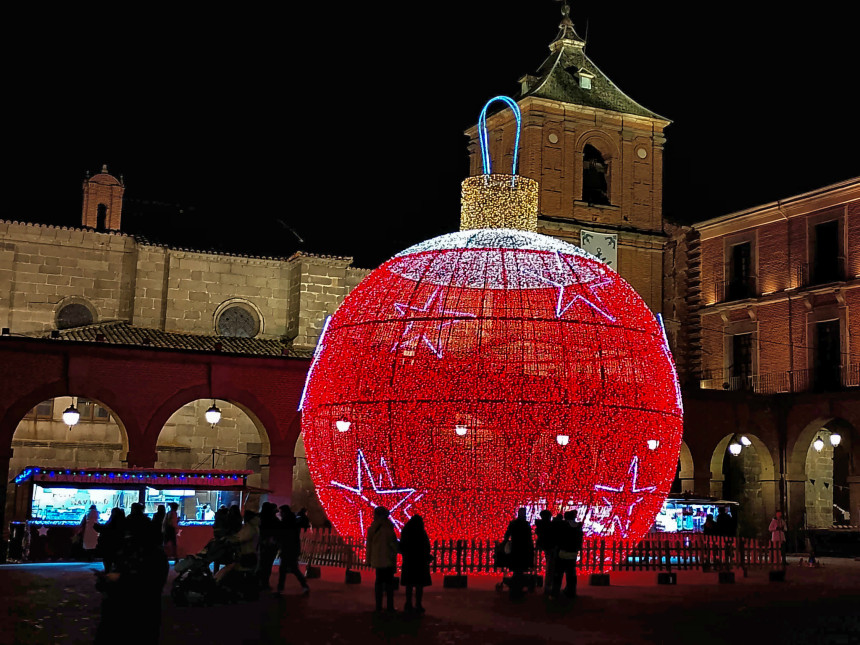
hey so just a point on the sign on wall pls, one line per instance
(601, 245)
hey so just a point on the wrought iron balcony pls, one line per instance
(818, 380)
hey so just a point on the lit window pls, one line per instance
(585, 82)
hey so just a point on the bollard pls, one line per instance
(667, 578)
(777, 575)
(312, 572)
(599, 580)
(727, 577)
(352, 577)
(454, 581)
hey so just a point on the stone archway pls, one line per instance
(41, 438)
(828, 480)
(239, 441)
(684, 475)
(749, 479)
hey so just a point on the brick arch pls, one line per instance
(260, 415)
(95, 392)
(761, 451)
(600, 140)
(611, 154)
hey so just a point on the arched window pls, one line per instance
(595, 187)
(101, 218)
(74, 315)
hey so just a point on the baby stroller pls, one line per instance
(503, 562)
(195, 583)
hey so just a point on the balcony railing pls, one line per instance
(735, 289)
(841, 377)
(821, 273)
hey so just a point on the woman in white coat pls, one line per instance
(89, 535)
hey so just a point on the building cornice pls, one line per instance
(795, 206)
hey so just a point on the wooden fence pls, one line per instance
(598, 555)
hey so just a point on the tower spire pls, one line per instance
(567, 36)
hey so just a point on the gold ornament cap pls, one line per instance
(493, 200)
(499, 201)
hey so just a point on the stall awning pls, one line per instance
(133, 477)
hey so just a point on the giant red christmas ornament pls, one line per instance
(486, 370)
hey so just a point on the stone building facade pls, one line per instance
(81, 283)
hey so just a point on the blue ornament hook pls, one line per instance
(483, 136)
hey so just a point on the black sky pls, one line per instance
(345, 121)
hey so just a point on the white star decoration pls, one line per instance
(623, 524)
(562, 268)
(429, 314)
(398, 496)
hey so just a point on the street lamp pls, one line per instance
(735, 448)
(818, 444)
(461, 430)
(745, 440)
(652, 444)
(342, 425)
(71, 416)
(835, 439)
(562, 439)
(213, 414)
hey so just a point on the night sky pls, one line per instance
(344, 121)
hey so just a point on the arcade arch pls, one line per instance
(239, 441)
(98, 440)
(304, 491)
(747, 478)
(826, 473)
(684, 480)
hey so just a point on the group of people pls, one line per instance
(725, 525)
(260, 537)
(107, 540)
(414, 548)
(559, 538)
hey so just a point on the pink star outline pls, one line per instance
(433, 308)
(633, 471)
(561, 307)
(405, 494)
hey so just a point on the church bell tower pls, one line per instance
(102, 209)
(598, 156)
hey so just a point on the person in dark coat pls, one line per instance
(726, 525)
(137, 523)
(234, 520)
(111, 535)
(290, 546)
(270, 531)
(137, 581)
(219, 530)
(522, 555)
(710, 526)
(157, 524)
(546, 542)
(570, 539)
(302, 519)
(415, 550)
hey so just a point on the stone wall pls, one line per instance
(819, 486)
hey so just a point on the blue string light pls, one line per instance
(484, 137)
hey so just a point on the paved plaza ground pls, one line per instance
(56, 603)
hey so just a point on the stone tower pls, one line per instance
(597, 154)
(102, 209)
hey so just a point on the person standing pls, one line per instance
(777, 529)
(569, 546)
(170, 530)
(415, 549)
(111, 534)
(89, 534)
(382, 556)
(522, 555)
(546, 542)
(158, 525)
(270, 530)
(290, 546)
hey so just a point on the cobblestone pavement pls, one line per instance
(56, 603)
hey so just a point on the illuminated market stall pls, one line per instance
(688, 515)
(51, 502)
